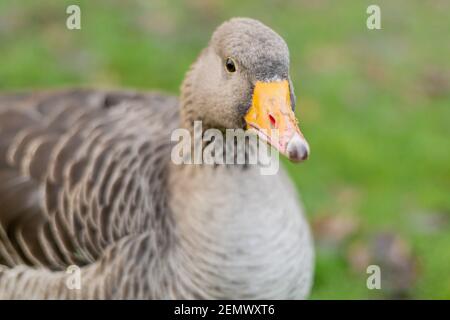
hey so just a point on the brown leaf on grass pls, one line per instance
(347, 199)
(156, 17)
(435, 82)
(206, 10)
(398, 264)
(11, 20)
(376, 71)
(327, 59)
(358, 256)
(340, 220)
(429, 222)
(334, 229)
(394, 256)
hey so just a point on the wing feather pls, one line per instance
(69, 171)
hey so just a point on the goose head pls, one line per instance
(241, 81)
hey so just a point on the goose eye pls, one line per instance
(230, 65)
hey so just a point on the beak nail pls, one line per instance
(297, 148)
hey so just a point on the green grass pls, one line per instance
(376, 121)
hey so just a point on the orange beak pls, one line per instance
(274, 121)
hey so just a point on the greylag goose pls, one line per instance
(86, 180)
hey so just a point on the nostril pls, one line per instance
(273, 122)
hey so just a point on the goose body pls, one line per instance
(86, 179)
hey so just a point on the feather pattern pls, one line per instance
(75, 174)
(86, 179)
(94, 189)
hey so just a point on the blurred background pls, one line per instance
(373, 104)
